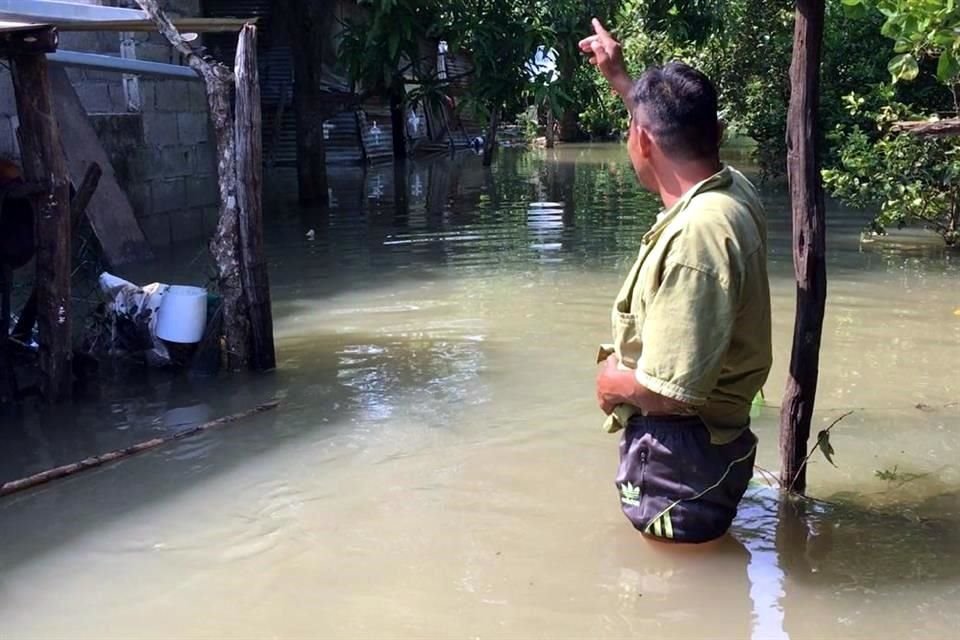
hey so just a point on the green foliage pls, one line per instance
(383, 45)
(908, 179)
(905, 178)
(919, 28)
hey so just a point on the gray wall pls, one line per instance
(164, 155)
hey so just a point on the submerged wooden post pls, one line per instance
(44, 163)
(809, 229)
(490, 144)
(256, 283)
(551, 120)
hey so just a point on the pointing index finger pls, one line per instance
(601, 32)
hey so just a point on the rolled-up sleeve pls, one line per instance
(686, 334)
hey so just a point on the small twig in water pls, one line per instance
(767, 475)
(803, 464)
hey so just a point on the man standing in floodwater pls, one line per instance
(691, 324)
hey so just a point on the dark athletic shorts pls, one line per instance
(674, 484)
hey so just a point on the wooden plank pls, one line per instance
(43, 162)
(184, 25)
(29, 41)
(947, 127)
(256, 283)
(109, 211)
(809, 240)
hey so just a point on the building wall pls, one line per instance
(164, 155)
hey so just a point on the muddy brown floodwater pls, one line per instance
(438, 468)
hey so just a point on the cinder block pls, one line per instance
(118, 98)
(177, 161)
(206, 159)
(186, 225)
(154, 52)
(172, 95)
(79, 40)
(211, 218)
(198, 98)
(159, 129)
(192, 128)
(157, 230)
(95, 97)
(147, 93)
(168, 195)
(202, 191)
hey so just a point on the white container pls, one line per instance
(183, 315)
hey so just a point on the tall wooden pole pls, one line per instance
(44, 164)
(806, 194)
(249, 125)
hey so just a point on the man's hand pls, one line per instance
(617, 386)
(606, 53)
(614, 385)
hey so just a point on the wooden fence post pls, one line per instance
(44, 163)
(809, 230)
(256, 283)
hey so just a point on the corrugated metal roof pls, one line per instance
(342, 138)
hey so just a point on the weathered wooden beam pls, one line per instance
(23, 42)
(809, 231)
(44, 162)
(249, 125)
(78, 208)
(947, 127)
(184, 25)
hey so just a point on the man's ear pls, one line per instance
(645, 142)
(721, 130)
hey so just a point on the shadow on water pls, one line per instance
(361, 382)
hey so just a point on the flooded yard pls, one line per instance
(437, 467)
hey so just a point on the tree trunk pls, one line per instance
(256, 283)
(398, 120)
(551, 121)
(44, 163)
(490, 144)
(308, 28)
(225, 245)
(569, 128)
(806, 193)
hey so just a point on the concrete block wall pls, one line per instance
(164, 155)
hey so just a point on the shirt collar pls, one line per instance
(720, 179)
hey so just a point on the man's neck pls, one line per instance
(683, 177)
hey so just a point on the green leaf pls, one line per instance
(394, 44)
(823, 440)
(852, 3)
(947, 68)
(904, 67)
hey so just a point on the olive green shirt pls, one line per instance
(693, 316)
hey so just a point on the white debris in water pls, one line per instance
(61, 315)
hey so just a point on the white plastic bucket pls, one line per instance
(183, 315)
